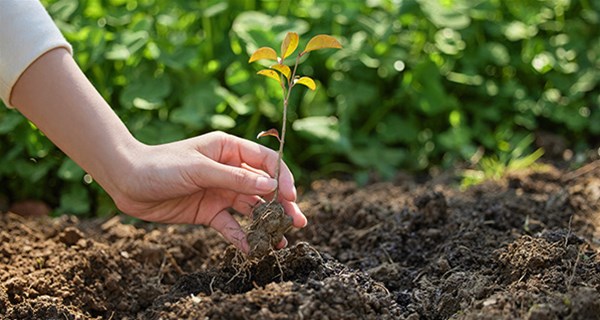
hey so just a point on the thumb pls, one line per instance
(238, 179)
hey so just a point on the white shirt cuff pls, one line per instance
(26, 33)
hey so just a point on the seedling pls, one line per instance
(269, 220)
(287, 77)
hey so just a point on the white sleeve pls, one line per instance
(26, 32)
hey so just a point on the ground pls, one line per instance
(522, 247)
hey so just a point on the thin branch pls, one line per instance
(286, 99)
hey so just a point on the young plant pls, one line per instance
(269, 221)
(287, 77)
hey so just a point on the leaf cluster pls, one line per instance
(288, 46)
(283, 74)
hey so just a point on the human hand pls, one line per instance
(199, 180)
(196, 180)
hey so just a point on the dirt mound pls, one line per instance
(524, 247)
(292, 282)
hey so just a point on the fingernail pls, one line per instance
(265, 184)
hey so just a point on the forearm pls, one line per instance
(56, 96)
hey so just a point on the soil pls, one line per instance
(523, 247)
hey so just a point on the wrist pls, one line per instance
(120, 170)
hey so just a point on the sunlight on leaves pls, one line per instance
(289, 44)
(321, 41)
(263, 53)
(271, 74)
(285, 70)
(310, 83)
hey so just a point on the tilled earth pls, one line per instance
(523, 247)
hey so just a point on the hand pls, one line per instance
(199, 180)
(189, 181)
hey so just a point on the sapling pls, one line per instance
(269, 219)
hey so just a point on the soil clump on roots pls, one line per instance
(269, 224)
(524, 247)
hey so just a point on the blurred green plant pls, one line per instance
(494, 167)
(419, 83)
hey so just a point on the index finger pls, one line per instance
(235, 151)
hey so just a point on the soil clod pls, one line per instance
(269, 224)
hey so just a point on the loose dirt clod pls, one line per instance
(269, 224)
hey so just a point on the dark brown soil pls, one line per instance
(525, 247)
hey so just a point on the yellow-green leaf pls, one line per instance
(310, 83)
(263, 53)
(271, 74)
(285, 70)
(289, 44)
(321, 41)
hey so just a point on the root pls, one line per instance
(582, 171)
(210, 285)
(568, 232)
(241, 265)
(278, 265)
(382, 287)
(161, 272)
(174, 263)
(574, 269)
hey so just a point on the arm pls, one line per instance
(191, 181)
(55, 95)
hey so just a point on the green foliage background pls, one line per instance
(419, 83)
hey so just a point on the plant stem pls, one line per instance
(286, 99)
(280, 151)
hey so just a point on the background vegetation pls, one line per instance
(419, 83)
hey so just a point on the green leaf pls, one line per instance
(236, 103)
(62, 10)
(199, 104)
(216, 9)
(32, 171)
(221, 122)
(118, 52)
(70, 171)
(256, 29)
(318, 127)
(517, 30)
(159, 132)
(9, 121)
(75, 200)
(146, 92)
(130, 42)
(388, 159)
(451, 14)
(394, 128)
(180, 59)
